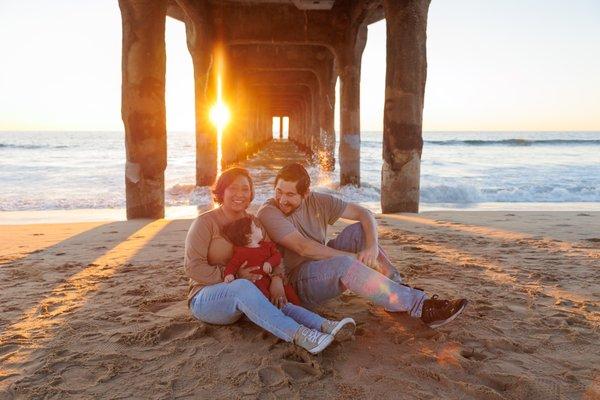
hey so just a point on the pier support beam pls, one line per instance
(406, 73)
(143, 106)
(200, 45)
(325, 147)
(206, 133)
(349, 73)
(281, 127)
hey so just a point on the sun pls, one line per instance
(219, 113)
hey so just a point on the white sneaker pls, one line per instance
(312, 340)
(341, 330)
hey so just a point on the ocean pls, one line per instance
(46, 171)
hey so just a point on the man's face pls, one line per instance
(287, 196)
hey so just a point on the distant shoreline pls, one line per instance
(336, 130)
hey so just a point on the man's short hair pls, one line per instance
(295, 172)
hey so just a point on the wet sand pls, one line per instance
(97, 310)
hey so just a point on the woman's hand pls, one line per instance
(249, 273)
(277, 292)
(228, 278)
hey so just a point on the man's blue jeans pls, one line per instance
(224, 304)
(318, 281)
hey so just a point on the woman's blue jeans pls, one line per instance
(224, 304)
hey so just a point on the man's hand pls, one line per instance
(267, 268)
(369, 256)
(249, 273)
(277, 291)
(228, 278)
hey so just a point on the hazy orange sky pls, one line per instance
(493, 65)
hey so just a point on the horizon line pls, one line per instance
(336, 131)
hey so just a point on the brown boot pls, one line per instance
(440, 312)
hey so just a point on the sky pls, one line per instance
(492, 65)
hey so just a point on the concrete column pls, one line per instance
(326, 147)
(281, 127)
(308, 120)
(232, 140)
(206, 132)
(263, 119)
(349, 72)
(241, 138)
(291, 133)
(403, 114)
(143, 106)
(200, 45)
(267, 121)
(306, 128)
(257, 138)
(312, 132)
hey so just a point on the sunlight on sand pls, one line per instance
(497, 233)
(492, 270)
(68, 296)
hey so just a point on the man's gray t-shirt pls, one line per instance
(311, 218)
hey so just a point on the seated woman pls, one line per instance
(211, 300)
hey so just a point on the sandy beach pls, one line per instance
(97, 310)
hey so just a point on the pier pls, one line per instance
(275, 58)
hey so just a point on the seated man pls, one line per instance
(297, 220)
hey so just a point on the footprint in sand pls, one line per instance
(77, 377)
(300, 372)
(165, 334)
(272, 376)
(299, 366)
(471, 354)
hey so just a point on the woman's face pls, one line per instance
(237, 196)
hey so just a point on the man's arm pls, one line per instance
(369, 254)
(309, 248)
(285, 233)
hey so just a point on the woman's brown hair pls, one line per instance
(226, 179)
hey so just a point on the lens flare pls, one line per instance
(219, 115)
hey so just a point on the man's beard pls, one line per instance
(291, 209)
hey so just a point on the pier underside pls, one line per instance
(274, 58)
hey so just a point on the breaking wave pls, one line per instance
(468, 194)
(514, 142)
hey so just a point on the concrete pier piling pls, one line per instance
(143, 106)
(406, 72)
